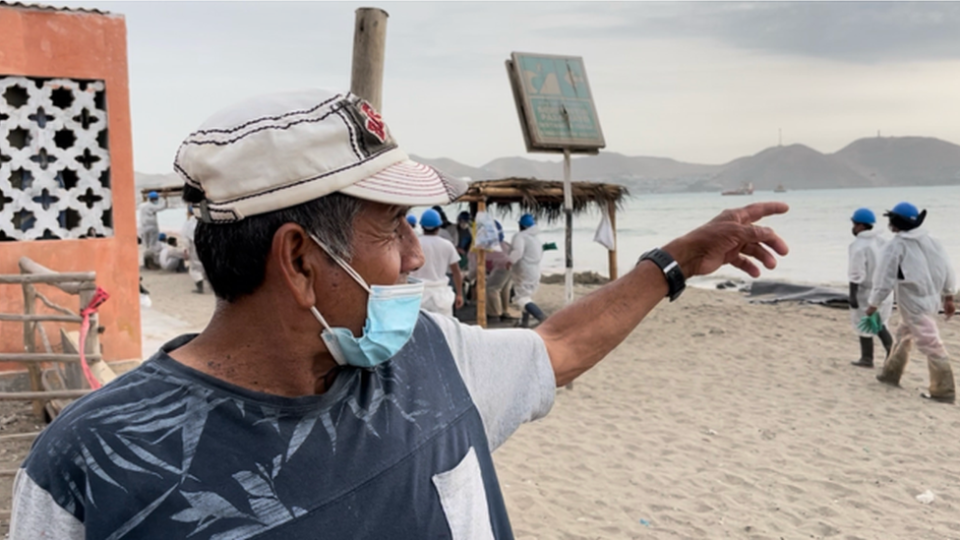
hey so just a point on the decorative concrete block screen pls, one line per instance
(54, 160)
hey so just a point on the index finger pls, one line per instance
(767, 236)
(757, 211)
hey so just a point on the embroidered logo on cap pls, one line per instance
(374, 123)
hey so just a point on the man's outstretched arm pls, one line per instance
(580, 335)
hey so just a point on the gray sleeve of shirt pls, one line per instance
(507, 372)
(36, 515)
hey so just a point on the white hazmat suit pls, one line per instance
(865, 253)
(915, 265)
(149, 226)
(196, 267)
(526, 251)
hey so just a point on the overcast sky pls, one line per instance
(697, 82)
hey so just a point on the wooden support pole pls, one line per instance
(36, 358)
(56, 307)
(612, 254)
(481, 277)
(92, 346)
(369, 50)
(568, 230)
(30, 344)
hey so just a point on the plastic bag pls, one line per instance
(487, 237)
(604, 235)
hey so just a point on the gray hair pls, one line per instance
(234, 255)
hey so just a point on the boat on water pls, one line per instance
(780, 189)
(745, 188)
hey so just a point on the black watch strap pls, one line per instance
(676, 283)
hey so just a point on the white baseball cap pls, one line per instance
(280, 150)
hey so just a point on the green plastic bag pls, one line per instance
(871, 324)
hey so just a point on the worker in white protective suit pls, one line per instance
(499, 280)
(916, 266)
(172, 257)
(526, 252)
(149, 227)
(865, 254)
(439, 257)
(188, 232)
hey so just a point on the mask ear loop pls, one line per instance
(346, 267)
(316, 313)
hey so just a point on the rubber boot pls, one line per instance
(886, 339)
(866, 353)
(941, 380)
(535, 310)
(896, 362)
(524, 320)
(199, 285)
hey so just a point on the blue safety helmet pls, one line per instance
(499, 230)
(430, 219)
(905, 210)
(864, 216)
(527, 220)
(153, 195)
(162, 237)
(412, 220)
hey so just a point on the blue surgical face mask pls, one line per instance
(392, 312)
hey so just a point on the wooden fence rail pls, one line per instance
(79, 284)
(44, 395)
(40, 318)
(79, 277)
(45, 357)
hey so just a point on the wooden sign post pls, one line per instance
(557, 114)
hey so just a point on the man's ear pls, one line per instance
(294, 257)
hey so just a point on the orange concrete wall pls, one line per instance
(45, 43)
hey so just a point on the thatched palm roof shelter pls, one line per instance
(542, 198)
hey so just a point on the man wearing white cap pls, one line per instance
(320, 401)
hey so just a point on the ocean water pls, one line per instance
(817, 228)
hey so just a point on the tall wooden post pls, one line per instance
(568, 234)
(30, 344)
(612, 254)
(369, 49)
(92, 345)
(481, 275)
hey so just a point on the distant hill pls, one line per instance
(154, 181)
(904, 161)
(795, 167)
(454, 168)
(887, 161)
(523, 167)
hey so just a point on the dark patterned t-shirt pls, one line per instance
(401, 451)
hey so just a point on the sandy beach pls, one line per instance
(717, 418)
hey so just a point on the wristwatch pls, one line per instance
(676, 283)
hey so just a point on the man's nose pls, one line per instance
(411, 254)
